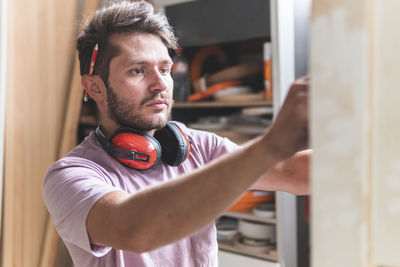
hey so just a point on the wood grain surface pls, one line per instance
(40, 49)
(52, 252)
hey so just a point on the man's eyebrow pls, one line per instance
(136, 62)
(144, 62)
(166, 61)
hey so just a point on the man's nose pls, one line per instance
(158, 81)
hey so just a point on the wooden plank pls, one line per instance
(8, 208)
(3, 68)
(258, 103)
(34, 104)
(61, 48)
(340, 109)
(68, 141)
(229, 246)
(355, 133)
(249, 216)
(386, 131)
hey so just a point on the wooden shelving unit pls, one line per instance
(230, 246)
(238, 48)
(195, 109)
(215, 104)
(250, 216)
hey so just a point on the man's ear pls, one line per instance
(94, 86)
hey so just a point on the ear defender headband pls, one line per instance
(141, 151)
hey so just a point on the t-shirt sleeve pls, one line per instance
(71, 187)
(223, 146)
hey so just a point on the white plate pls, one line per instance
(265, 210)
(257, 230)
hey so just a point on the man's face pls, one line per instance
(139, 94)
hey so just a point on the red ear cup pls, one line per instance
(174, 144)
(140, 151)
(135, 149)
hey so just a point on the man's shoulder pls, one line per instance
(87, 153)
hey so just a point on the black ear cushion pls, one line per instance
(175, 147)
(102, 139)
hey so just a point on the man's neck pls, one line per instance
(108, 127)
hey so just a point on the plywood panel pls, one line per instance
(52, 252)
(340, 84)
(40, 48)
(386, 133)
(3, 67)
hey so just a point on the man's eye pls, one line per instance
(138, 71)
(164, 70)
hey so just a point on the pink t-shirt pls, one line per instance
(74, 183)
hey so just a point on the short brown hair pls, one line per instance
(120, 17)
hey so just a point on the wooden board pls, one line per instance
(68, 141)
(3, 75)
(386, 131)
(340, 131)
(40, 44)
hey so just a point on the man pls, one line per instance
(110, 214)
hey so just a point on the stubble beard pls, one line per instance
(124, 113)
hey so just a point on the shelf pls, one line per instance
(229, 246)
(249, 216)
(223, 104)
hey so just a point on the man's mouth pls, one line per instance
(157, 103)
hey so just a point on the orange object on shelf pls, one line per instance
(202, 55)
(267, 79)
(212, 90)
(251, 199)
(267, 70)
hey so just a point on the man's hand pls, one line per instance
(288, 138)
(289, 132)
(291, 175)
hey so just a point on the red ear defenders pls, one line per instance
(141, 151)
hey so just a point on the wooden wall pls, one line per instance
(40, 54)
(385, 171)
(355, 130)
(3, 67)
